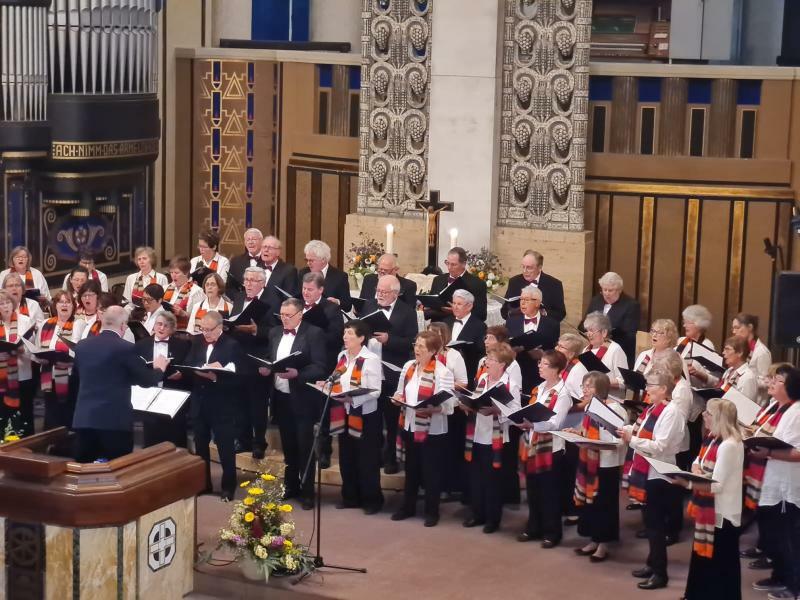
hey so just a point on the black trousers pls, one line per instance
(718, 577)
(58, 413)
(94, 444)
(23, 422)
(160, 428)
(251, 420)
(780, 538)
(486, 485)
(456, 478)
(360, 464)
(600, 519)
(425, 465)
(662, 498)
(297, 438)
(390, 414)
(510, 469)
(208, 420)
(544, 501)
(569, 470)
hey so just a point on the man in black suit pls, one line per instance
(251, 422)
(279, 274)
(387, 265)
(250, 258)
(337, 285)
(529, 320)
(456, 264)
(163, 342)
(326, 315)
(213, 409)
(552, 288)
(296, 405)
(622, 310)
(394, 347)
(105, 368)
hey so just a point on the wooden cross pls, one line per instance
(433, 208)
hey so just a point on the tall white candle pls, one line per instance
(453, 237)
(389, 238)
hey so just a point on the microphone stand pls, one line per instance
(319, 562)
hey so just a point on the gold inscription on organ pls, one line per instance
(99, 150)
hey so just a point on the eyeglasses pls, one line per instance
(252, 280)
(270, 247)
(657, 332)
(211, 330)
(285, 316)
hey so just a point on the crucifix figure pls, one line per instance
(433, 208)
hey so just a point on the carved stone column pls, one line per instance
(672, 132)
(722, 120)
(624, 98)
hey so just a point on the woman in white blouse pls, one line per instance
(423, 431)
(182, 293)
(745, 326)
(738, 374)
(597, 481)
(14, 285)
(54, 377)
(360, 439)
(610, 353)
(19, 262)
(714, 570)
(544, 454)
(487, 438)
(16, 384)
(214, 288)
(145, 258)
(207, 245)
(450, 357)
(663, 338)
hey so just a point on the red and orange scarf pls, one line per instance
(729, 379)
(29, 284)
(766, 423)
(568, 368)
(427, 385)
(537, 456)
(701, 507)
(342, 421)
(138, 286)
(586, 477)
(181, 300)
(641, 369)
(55, 377)
(636, 467)
(9, 370)
(497, 430)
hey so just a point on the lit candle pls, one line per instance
(389, 239)
(453, 237)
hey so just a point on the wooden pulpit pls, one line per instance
(120, 529)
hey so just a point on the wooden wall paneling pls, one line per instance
(329, 213)
(625, 96)
(289, 237)
(758, 272)
(353, 195)
(340, 101)
(736, 258)
(644, 283)
(722, 118)
(603, 232)
(691, 247)
(315, 212)
(302, 221)
(624, 240)
(713, 264)
(178, 222)
(675, 94)
(201, 140)
(668, 248)
(772, 134)
(345, 195)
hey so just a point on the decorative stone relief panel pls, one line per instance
(395, 99)
(544, 113)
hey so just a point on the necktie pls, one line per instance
(532, 321)
(459, 321)
(268, 267)
(451, 280)
(250, 298)
(308, 306)
(386, 308)
(289, 332)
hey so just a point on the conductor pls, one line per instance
(105, 368)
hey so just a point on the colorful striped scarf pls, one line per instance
(427, 385)
(138, 285)
(55, 377)
(180, 298)
(23, 308)
(701, 508)
(342, 421)
(29, 284)
(586, 477)
(729, 379)
(568, 368)
(537, 456)
(641, 369)
(636, 466)
(9, 370)
(96, 327)
(497, 430)
(223, 308)
(766, 423)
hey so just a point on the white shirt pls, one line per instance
(371, 377)
(782, 478)
(606, 308)
(575, 380)
(102, 279)
(760, 360)
(36, 315)
(150, 320)
(614, 358)
(484, 424)
(727, 473)
(39, 282)
(561, 410)
(161, 280)
(196, 296)
(284, 350)
(746, 383)
(193, 325)
(616, 457)
(513, 370)
(457, 327)
(442, 380)
(667, 438)
(83, 323)
(161, 348)
(223, 265)
(683, 398)
(24, 370)
(526, 327)
(268, 272)
(457, 366)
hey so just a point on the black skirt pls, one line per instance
(718, 577)
(600, 519)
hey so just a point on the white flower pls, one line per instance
(266, 540)
(290, 562)
(372, 268)
(287, 529)
(261, 552)
(491, 276)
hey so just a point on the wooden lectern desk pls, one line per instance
(116, 530)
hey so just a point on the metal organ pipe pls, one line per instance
(23, 66)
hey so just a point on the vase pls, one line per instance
(252, 570)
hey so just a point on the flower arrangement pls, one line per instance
(364, 255)
(11, 432)
(260, 530)
(486, 266)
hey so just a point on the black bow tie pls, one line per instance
(166, 341)
(459, 321)
(386, 307)
(268, 268)
(289, 332)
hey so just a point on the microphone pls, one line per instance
(769, 248)
(333, 377)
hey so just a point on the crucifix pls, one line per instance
(433, 208)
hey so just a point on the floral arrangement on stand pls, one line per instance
(486, 266)
(261, 534)
(11, 431)
(363, 257)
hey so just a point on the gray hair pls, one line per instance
(253, 230)
(390, 257)
(536, 255)
(573, 342)
(465, 296)
(256, 271)
(611, 280)
(12, 275)
(296, 303)
(395, 282)
(531, 291)
(169, 318)
(114, 317)
(214, 316)
(670, 361)
(319, 249)
(597, 320)
(316, 278)
(272, 237)
(698, 314)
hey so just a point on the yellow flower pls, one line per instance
(268, 477)
(11, 438)
(358, 258)
(255, 491)
(270, 506)
(372, 257)
(287, 543)
(244, 484)
(249, 501)
(482, 275)
(249, 517)
(285, 508)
